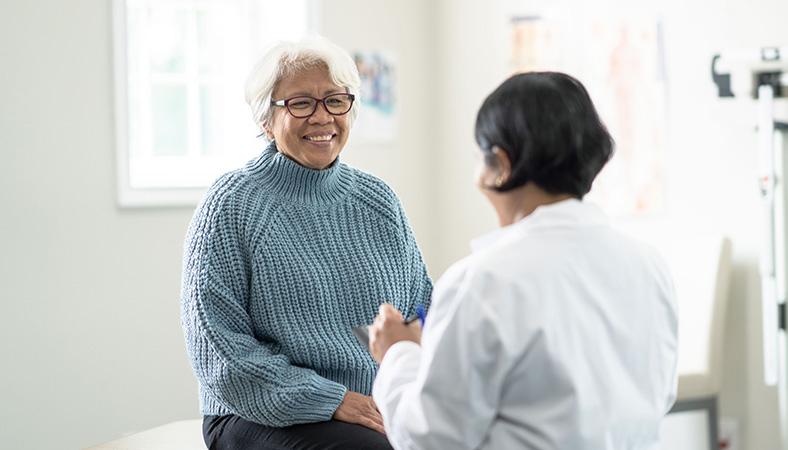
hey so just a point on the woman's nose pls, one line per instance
(321, 115)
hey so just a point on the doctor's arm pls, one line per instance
(445, 392)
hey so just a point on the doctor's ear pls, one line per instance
(502, 165)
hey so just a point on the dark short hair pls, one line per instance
(549, 128)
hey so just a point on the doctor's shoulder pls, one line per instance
(652, 259)
(492, 270)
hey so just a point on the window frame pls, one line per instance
(135, 197)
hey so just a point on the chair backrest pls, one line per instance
(701, 267)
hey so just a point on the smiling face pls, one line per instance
(314, 141)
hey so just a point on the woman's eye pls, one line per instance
(300, 104)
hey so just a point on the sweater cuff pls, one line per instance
(323, 398)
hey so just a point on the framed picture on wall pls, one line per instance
(377, 121)
(620, 59)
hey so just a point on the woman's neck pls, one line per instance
(286, 178)
(519, 203)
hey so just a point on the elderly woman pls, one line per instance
(557, 332)
(287, 254)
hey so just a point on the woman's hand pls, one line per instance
(360, 409)
(388, 329)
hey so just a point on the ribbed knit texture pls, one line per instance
(281, 261)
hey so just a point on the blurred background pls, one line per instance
(115, 115)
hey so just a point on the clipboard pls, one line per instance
(362, 334)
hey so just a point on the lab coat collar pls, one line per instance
(566, 213)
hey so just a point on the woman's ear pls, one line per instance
(266, 130)
(503, 166)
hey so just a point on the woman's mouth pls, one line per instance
(320, 137)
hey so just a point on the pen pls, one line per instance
(420, 315)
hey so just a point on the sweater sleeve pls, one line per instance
(420, 289)
(240, 373)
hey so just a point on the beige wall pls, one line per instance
(90, 341)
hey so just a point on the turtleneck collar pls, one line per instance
(287, 178)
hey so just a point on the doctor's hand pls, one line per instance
(388, 329)
(359, 409)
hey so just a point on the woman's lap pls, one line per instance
(235, 433)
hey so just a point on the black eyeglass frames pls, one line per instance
(304, 106)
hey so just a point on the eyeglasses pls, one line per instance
(304, 106)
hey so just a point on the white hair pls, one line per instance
(287, 58)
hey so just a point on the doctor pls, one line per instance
(557, 332)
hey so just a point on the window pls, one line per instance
(180, 70)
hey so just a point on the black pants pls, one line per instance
(235, 433)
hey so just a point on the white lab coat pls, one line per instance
(557, 332)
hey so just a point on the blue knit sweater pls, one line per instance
(281, 261)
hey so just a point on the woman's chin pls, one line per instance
(321, 160)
